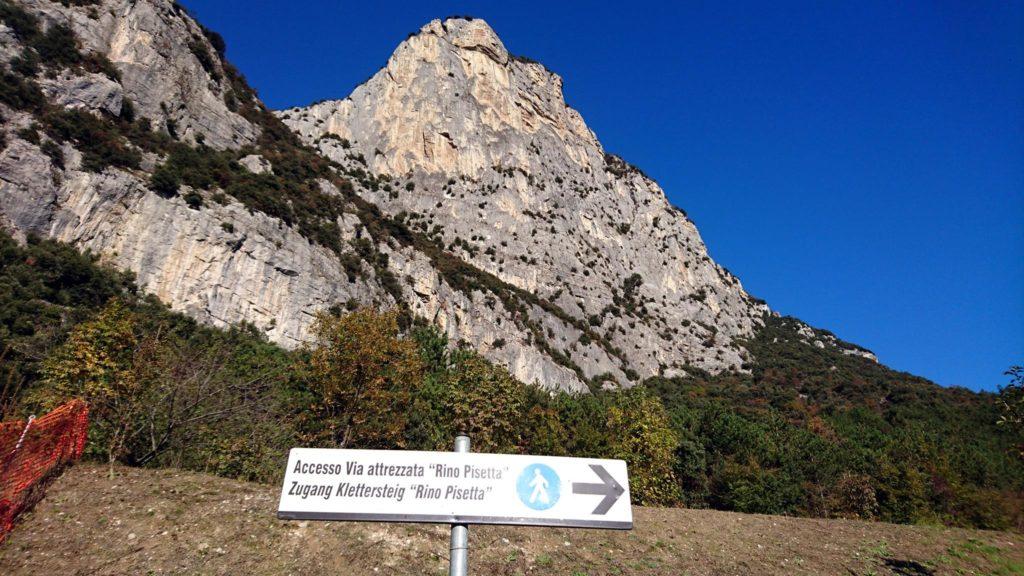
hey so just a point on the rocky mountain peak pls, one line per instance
(479, 148)
(452, 100)
(469, 34)
(463, 190)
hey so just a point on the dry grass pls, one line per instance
(172, 522)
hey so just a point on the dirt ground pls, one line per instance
(173, 522)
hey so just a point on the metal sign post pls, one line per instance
(459, 553)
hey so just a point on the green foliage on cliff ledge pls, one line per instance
(55, 47)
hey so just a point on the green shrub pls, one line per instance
(30, 134)
(193, 199)
(753, 490)
(19, 93)
(27, 64)
(58, 46)
(100, 143)
(54, 151)
(216, 40)
(24, 25)
(165, 181)
(199, 50)
(127, 110)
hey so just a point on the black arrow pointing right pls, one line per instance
(609, 488)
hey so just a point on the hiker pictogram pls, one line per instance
(538, 487)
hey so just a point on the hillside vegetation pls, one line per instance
(171, 522)
(795, 437)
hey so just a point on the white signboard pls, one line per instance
(455, 488)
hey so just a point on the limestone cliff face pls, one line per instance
(523, 189)
(479, 202)
(160, 53)
(452, 100)
(259, 271)
(252, 270)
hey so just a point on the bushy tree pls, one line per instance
(426, 427)
(97, 365)
(902, 492)
(433, 348)
(156, 383)
(1011, 399)
(362, 375)
(486, 402)
(750, 488)
(639, 433)
(853, 496)
(691, 468)
(544, 434)
(585, 416)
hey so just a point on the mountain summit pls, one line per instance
(455, 184)
(453, 100)
(517, 184)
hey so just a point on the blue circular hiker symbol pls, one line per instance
(538, 486)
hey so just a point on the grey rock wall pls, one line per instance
(500, 162)
(590, 276)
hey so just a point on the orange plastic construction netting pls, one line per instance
(33, 451)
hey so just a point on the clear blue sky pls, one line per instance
(860, 167)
